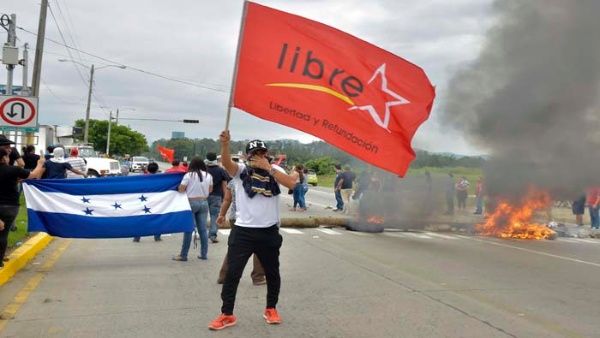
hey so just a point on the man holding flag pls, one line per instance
(256, 229)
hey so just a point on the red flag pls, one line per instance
(315, 78)
(166, 153)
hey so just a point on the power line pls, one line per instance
(65, 43)
(69, 26)
(165, 77)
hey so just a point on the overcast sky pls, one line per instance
(195, 41)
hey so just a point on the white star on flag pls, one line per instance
(384, 87)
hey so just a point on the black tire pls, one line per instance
(92, 174)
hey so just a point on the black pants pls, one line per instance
(8, 213)
(243, 242)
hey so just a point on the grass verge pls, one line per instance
(21, 233)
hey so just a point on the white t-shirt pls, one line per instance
(257, 212)
(195, 188)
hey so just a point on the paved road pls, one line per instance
(335, 284)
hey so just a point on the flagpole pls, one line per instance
(235, 69)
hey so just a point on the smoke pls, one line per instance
(532, 97)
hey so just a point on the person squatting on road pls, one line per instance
(197, 184)
(256, 229)
(258, 273)
(9, 194)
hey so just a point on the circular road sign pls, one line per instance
(17, 111)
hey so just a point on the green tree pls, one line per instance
(322, 165)
(123, 140)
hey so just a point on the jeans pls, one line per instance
(479, 203)
(200, 212)
(243, 242)
(339, 201)
(299, 196)
(8, 214)
(594, 217)
(214, 206)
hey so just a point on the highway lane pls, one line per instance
(336, 283)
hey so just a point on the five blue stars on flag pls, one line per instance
(116, 205)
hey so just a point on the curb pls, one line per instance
(20, 257)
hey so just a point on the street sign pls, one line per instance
(18, 111)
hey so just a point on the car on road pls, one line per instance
(138, 163)
(311, 178)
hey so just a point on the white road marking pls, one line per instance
(417, 235)
(225, 232)
(328, 231)
(440, 235)
(291, 231)
(541, 253)
(358, 233)
(394, 234)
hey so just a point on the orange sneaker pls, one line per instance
(271, 316)
(222, 321)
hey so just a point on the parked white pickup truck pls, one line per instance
(96, 166)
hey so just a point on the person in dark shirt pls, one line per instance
(338, 195)
(56, 168)
(14, 157)
(215, 199)
(345, 186)
(30, 158)
(9, 194)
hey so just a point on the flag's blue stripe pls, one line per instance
(77, 226)
(110, 185)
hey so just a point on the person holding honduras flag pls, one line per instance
(114, 207)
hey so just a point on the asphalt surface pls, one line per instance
(336, 283)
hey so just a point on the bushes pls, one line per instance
(322, 165)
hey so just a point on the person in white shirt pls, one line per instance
(76, 162)
(197, 184)
(257, 226)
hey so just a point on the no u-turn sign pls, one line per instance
(18, 111)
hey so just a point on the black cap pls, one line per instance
(255, 145)
(211, 156)
(5, 141)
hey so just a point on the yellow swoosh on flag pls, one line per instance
(313, 87)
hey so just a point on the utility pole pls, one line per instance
(117, 119)
(87, 109)
(25, 63)
(39, 49)
(9, 51)
(108, 136)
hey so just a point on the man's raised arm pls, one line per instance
(228, 164)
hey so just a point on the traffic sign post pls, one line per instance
(18, 111)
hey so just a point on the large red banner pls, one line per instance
(315, 78)
(167, 153)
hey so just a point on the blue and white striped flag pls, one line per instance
(108, 207)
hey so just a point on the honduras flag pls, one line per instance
(110, 207)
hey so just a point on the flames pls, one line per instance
(516, 220)
(375, 220)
